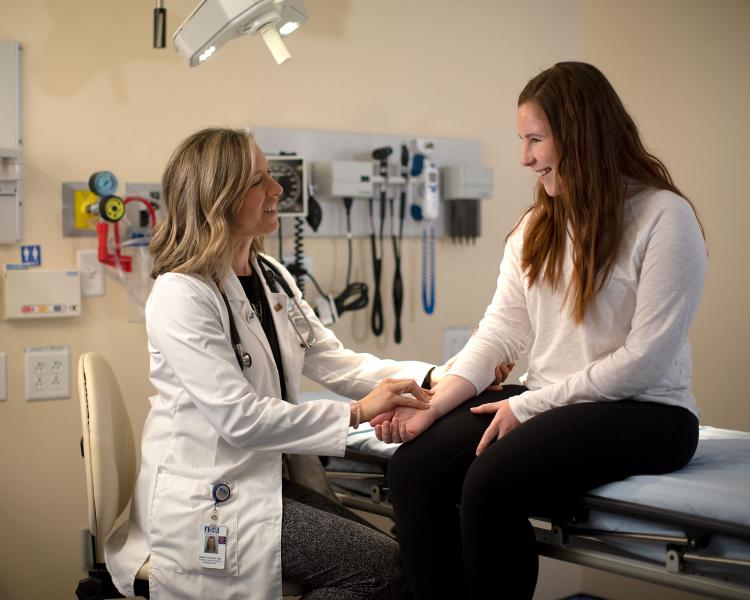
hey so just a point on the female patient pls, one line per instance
(599, 281)
(229, 337)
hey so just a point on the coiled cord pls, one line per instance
(299, 254)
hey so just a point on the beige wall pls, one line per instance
(681, 67)
(96, 96)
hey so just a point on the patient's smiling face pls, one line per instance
(538, 148)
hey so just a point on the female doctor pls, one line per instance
(226, 414)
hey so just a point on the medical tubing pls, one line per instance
(121, 272)
(301, 273)
(428, 270)
(376, 319)
(234, 335)
(398, 284)
(281, 244)
(348, 209)
(118, 245)
(160, 25)
(149, 206)
(299, 251)
(355, 295)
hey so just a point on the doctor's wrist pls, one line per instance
(355, 414)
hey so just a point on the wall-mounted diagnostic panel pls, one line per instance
(41, 293)
(10, 142)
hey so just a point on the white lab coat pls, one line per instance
(210, 424)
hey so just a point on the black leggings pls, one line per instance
(487, 547)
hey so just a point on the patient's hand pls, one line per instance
(502, 423)
(402, 424)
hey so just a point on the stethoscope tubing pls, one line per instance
(274, 280)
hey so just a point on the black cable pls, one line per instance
(299, 251)
(381, 155)
(299, 273)
(160, 25)
(376, 320)
(348, 209)
(396, 238)
(398, 284)
(355, 295)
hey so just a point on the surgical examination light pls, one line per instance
(213, 23)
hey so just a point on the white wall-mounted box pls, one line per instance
(10, 99)
(466, 182)
(41, 293)
(10, 142)
(342, 178)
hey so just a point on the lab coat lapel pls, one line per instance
(288, 342)
(242, 309)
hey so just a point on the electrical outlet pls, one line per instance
(92, 273)
(47, 372)
(3, 377)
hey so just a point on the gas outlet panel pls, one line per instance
(47, 372)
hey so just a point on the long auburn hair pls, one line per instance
(203, 186)
(599, 151)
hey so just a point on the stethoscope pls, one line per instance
(274, 279)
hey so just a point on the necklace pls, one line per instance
(257, 300)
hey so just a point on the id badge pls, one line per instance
(212, 546)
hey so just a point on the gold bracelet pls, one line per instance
(357, 413)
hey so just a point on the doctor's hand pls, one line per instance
(403, 424)
(392, 393)
(503, 422)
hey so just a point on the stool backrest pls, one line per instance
(108, 446)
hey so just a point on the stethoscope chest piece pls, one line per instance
(247, 360)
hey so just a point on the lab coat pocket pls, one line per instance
(180, 506)
(296, 363)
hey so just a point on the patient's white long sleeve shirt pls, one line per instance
(633, 341)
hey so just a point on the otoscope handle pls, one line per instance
(398, 302)
(376, 321)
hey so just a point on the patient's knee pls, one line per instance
(498, 484)
(408, 465)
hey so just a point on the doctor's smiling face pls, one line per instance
(257, 215)
(538, 148)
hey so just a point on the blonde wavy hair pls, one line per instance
(203, 186)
